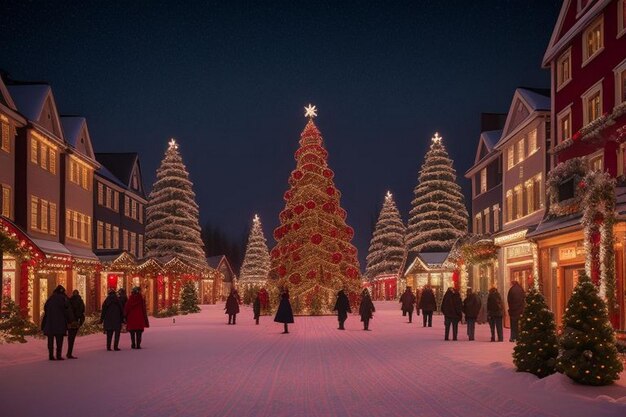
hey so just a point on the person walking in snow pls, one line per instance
(78, 312)
(256, 307)
(516, 299)
(57, 315)
(494, 313)
(112, 317)
(452, 309)
(284, 314)
(342, 307)
(366, 309)
(471, 308)
(427, 304)
(136, 317)
(408, 302)
(232, 306)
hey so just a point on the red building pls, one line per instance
(587, 60)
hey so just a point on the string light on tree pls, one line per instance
(313, 256)
(256, 262)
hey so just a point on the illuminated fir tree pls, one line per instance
(587, 347)
(172, 226)
(387, 249)
(537, 346)
(189, 298)
(256, 262)
(438, 216)
(313, 256)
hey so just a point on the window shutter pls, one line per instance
(53, 219)
(34, 150)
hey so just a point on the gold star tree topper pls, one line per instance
(436, 138)
(172, 143)
(310, 111)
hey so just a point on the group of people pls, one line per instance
(117, 310)
(453, 309)
(65, 315)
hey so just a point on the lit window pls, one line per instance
(107, 236)
(594, 107)
(116, 201)
(478, 227)
(116, 237)
(5, 197)
(133, 206)
(5, 143)
(483, 180)
(140, 250)
(133, 243)
(486, 217)
(564, 130)
(532, 141)
(520, 150)
(34, 213)
(509, 205)
(100, 194)
(126, 206)
(44, 216)
(564, 66)
(620, 82)
(593, 39)
(510, 157)
(621, 17)
(34, 151)
(52, 161)
(53, 218)
(496, 217)
(100, 234)
(125, 239)
(596, 162)
(108, 200)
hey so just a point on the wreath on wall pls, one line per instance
(574, 169)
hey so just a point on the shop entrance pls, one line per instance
(568, 280)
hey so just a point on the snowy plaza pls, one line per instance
(199, 366)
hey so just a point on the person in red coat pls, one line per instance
(136, 317)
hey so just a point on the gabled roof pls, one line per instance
(106, 174)
(559, 40)
(530, 100)
(5, 97)
(29, 98)
(487, 141)
(122, 165)
(427, 260)
(215, 262)
(73, 129)
(490, 138)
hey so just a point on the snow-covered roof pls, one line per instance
(537, 98)
(120, 164)
(490, 138)
(215, 261)
(82, 253)
(427, 260)
(51, 247)
(72, 126)
(29, 98)
(105, 173)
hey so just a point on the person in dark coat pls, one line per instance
(78, 312)
(112, 317)
(366, 309)
(136, 315)
(232, 306)
(494, 313)
(256, 307)
(471, 308)
(342, 307)
(284, 314)
(121, 295)
(408, 302)
(452, 309)
(264, 299)
(516, 299)
(427, 304)
(57, 315)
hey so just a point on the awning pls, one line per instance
(82, 253)
(52, 248)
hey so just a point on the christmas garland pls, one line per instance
(593, 129)
(575, 168)
(479, 253)
(598, 221)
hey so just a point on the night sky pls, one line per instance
(229, 80)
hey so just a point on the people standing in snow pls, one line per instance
(284, 314)
(366, 309)
(232, 306)
(482, 314)
(471, 309)
(256, 307)
(494, 313)
(408, 302)
(342, 307)
(452, 309)
(78, 312)
(136, 317)
(57, 315)
(112, 317)
(516, 299)
(427, 304)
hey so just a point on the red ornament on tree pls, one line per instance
(336, 257)
(295, 279)
(298, 175)
(310, 204)
(282, 270)
(330, 191)
(299, 209)
(327, 173)
(316, 238)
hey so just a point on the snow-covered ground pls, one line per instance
(199, 366)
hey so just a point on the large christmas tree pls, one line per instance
(537, 346)
(313, 256)
(387, 248)
(172, 227)
(587, 347)
(256, 262)
(438, 215)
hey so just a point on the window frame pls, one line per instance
(5, 200)
(5, 134)
(587, 58)
(594, 90)
(621, 18)
(483, 180)
(563, 114)
(560, 82)
(496, 220)
(620, 85)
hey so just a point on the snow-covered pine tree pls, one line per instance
(189, 298)
(256, 262)
(438, 216)
(387, 248)
(172, 227)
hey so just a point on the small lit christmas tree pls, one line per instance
(189, 298)
(387, 249)
(256, 262)
(588, 353)
(313, 256)
(537, 346)
(438, 216)
(172, 226)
